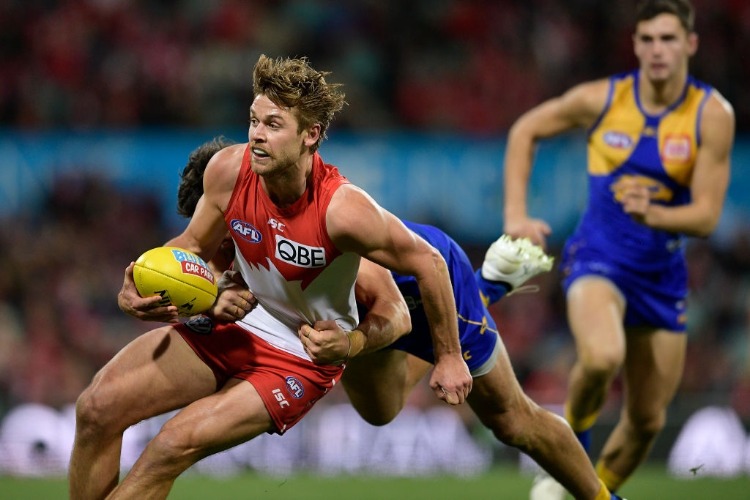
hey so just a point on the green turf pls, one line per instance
(650, 482)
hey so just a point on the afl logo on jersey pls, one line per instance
(246, 231)
(617, 140)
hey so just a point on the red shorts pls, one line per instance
(288, 385)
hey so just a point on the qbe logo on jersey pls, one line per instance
(298, 254)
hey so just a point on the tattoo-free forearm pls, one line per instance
(440, 308)
(383, 324)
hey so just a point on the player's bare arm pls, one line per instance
(708, 185)
(207, 229)
(387, 316)
(144, 308)
(358, 224)
(193, 238)
(203, 235)
(386, 320)
(579, 107)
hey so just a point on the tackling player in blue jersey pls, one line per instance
(384, 365)
(659, 145)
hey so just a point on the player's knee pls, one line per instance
(173, 450)
(376, 410)
(98, 411)
(509, 431)
(647, 425)
(510, 425)
(94, 415)
(378, 418)
(601, 366)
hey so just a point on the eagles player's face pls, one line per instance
(276, 143)
(663, 48)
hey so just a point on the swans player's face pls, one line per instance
(663, 47)
(276, 139)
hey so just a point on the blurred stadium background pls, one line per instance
(102, 100)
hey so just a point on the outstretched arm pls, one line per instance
(358, 224)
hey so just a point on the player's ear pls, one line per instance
(692, 43)
(312, 135)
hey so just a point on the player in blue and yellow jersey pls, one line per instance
(659, 144)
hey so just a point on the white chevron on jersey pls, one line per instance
(283, 305)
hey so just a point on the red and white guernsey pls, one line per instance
(288, 260)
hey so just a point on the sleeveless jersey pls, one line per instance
(657, 150)
(288, 260)
(476, 328)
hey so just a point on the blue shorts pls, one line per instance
(480, 344)
(655, 299)
(480, 341)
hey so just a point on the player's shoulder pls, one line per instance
(227, 159)
(350, 198)
(223, 168)
(591, 94)
(584, 102)
(718, 106)
(233, 153)
(597, 85)
(717, 123)
(352, 212)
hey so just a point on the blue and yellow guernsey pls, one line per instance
(657, 150)
(476, 328)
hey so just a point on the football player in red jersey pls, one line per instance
(254, 376)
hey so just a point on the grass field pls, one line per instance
(651, 482)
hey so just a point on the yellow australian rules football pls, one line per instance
(179, 276)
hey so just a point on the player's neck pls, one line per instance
(656, 96)
(286, 186)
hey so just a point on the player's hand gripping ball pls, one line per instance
(180, 277)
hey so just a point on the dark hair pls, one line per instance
(191, 179)
(683, 9)
(293, 83)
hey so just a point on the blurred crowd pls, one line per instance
(423, 65)
(439, 65)
(62, 266)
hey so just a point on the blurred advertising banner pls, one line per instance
(36, 441)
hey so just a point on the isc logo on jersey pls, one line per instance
(298, 254)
